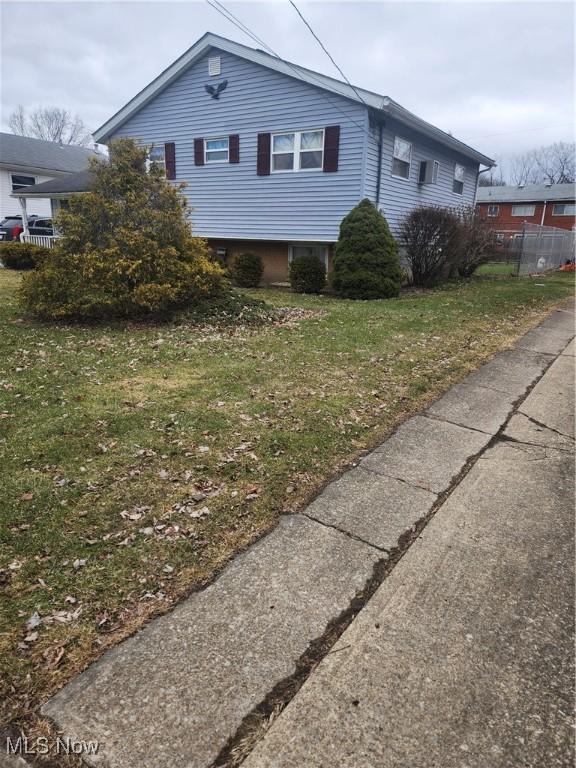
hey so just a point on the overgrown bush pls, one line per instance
(477, 242)
(431, 237)
(126, 248)
(366, 262)
(247, 270)
(16, 255)
(307, 274)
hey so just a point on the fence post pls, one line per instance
(521, 249)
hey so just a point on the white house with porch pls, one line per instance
(26, 163)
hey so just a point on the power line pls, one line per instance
(223, 11)
(326, 51)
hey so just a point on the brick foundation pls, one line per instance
(274, 256)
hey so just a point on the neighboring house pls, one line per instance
(508, 208)
(275, 155)
(25, 162)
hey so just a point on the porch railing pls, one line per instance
(47, 241)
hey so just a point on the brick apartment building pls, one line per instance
(508, 208)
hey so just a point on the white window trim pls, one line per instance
(159, 163)
(308, 245)
(493, 215)
(435, 171)
(395, 175)
(296, 151)
(206, 150)
(555, 213)
(523, 205)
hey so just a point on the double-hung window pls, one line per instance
(217, 150)
(401, 159)
(459, 176)
(493, 211)
(297, 151)
(157, 157)
(523, 210)
(564, 209)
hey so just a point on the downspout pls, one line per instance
(544, 213)
(478, 180)
(378, 177)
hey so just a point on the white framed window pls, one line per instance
(527, 209)
(435, 172)
(564, 209)
(217, 150)
(493, 211)
(309, 249)
(402, 158)
(459, 176)
(297, 151)
(214, 66)
(19, 182)
(157, 157)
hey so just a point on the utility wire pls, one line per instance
(326, 51)
(223, 11)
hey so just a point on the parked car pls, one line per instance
(11, 227)
(41, 227)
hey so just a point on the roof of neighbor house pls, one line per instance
(530, 193)
(20, 151)
(375, 101)
(65, 185)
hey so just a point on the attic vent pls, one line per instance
(214, 67)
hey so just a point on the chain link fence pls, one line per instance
(539, 249)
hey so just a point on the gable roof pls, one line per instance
(20, 151)
(531, 193)
(372, 100)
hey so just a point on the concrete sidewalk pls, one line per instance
(464, 656)
(179, 690)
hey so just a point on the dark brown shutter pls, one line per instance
(170, 159)
(263, 156)
(331, 148)
(198, 151)
(234, 148)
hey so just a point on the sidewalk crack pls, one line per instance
(344, 532)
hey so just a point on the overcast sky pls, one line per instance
(498, 75)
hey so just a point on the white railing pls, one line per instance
(46, 241)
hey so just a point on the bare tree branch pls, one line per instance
(50, 124)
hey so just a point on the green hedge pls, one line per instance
(16, 255)
(307, 274)
(247, 270)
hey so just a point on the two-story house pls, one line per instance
(506, 209)
(275, 155)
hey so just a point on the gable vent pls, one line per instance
(214, 67)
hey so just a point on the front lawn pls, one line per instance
(136, 460)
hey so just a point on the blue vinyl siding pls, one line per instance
(399, 196)
(232, 201)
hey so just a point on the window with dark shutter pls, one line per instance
(263, 155)
(234, 148)
(170, 160)
(331, 148)
(198, 151)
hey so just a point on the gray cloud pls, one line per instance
(499, 75)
